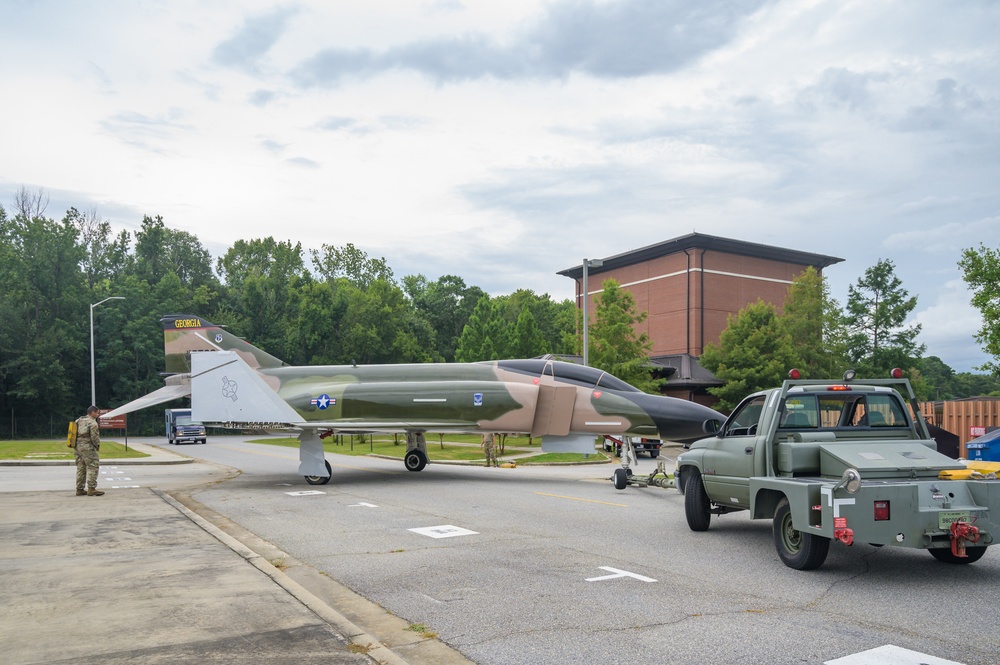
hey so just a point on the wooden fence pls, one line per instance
(966, 419)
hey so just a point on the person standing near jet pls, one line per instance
(88, 445)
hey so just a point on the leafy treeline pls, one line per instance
(816, 336)
(337, 305)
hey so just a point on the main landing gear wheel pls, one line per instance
(973, 554)
(620, 478)
(415, 460)
(321, 480)
(798, 550)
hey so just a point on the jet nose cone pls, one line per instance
(680, 420)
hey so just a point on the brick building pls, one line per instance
(689, 286)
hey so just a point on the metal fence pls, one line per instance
(53, 425)
(967, 418)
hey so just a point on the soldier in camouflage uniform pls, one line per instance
(88, 445)
(489, 447)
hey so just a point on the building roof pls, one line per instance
(703, 241)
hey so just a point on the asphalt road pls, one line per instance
(563, 568)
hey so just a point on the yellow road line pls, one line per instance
(574, 498)
(287, 457)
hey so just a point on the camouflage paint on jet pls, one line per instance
(234, 383)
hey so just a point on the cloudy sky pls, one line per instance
(505, 140)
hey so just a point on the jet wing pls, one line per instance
(164, 394)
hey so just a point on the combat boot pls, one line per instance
(81, 492)
(95, 492)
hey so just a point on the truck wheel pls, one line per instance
(696, 503)
(620, 479)
(321, 480)
(973, 554)
(653, 454)
(798, 550)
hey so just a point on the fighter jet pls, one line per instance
(234, 384)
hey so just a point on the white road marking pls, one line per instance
(615, 573)
(125, 487)
(891, 655)
(443, 531)
(305, 493)
(366, 505)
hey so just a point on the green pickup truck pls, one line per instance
(843, 461)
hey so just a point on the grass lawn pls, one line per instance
(57, 450)
(384, 445)
(562, 458)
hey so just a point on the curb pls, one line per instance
(370, 646)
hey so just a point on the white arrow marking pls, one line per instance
(615, 573)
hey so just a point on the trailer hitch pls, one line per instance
(841, 531)
(960, 533)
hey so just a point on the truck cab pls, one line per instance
(181, 428)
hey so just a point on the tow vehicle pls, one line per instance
(846, 461)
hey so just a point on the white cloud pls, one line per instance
(504, 141)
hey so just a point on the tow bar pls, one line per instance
(624, 477)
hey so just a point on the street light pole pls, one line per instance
(93, 383)
(587, 263)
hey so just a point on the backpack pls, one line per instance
(71, 434)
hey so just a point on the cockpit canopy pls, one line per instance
(564, 372)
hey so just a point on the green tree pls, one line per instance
(486, 335)
(377, 326)
(813, 322)
(556, 321)
(351, 263)
(754, 353)
(615, 346)
(526, 339)
(264, 279)
(446, 304)
(43, 317)
(106, 258)
(940, 378)
(877, 307)
(981, 271)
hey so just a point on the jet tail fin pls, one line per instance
(185, 334)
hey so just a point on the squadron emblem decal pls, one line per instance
(229, 388)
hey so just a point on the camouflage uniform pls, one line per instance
(490, 449)
(88, 443)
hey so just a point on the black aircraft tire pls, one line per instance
(620, 479)
(321, 480)
(696, 503)
(973, 554)
(415, 460)
(798, 550)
